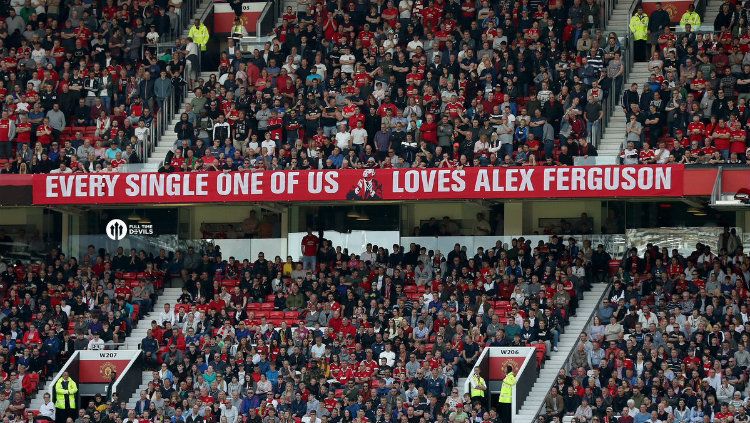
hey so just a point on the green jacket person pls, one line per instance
(65, 390)
(506, 396)
(477, 385)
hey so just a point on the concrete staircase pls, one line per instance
(620, 18)
(170, 295)
(153, 162)
(38, 399)
(146, 377)
(167, 141)
(587, 305)
(614, 133)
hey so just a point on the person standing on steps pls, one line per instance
(477, 387)
(506, 396)
(200, 36)
(65, 398)
(639, 28)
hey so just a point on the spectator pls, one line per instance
(639, 28)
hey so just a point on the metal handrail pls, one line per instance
(626, 50)
(605, 12)
(171, 104)
(259, 22)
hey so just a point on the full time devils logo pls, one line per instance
(367, 188)
(106, 370)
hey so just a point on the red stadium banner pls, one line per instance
(224, 17)
(361, 185)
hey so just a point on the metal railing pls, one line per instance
(613, 98)
(187, 10)
(172, 103)
(267, 21)
(626, 51)
(605, 12)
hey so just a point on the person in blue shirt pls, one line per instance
(251, 401)
(272, 374)
(241, 332)
(336, 158)
(435, 384)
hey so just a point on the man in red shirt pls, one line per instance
(737, 141)
(310, 244)
(7, 132)
(23, 129)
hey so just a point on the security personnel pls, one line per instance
(691, 17)
(639, 28)
(199, 33)
(477, 387)
(65, 398)
(506, 396)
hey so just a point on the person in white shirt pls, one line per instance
(312, 417)
(47, 409)
(412, 46)
(646, 318)
(61, 169)
(229, 411)
(359, 137)
(661, 154)
(388, 355)
(343, 137)
(629, 155)
(268, 144)
(318, 349)
(347, 61)
(167, 315)
(96, 343)
(141, 132)
(368, 254)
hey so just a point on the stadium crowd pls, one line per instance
(380, 336)
(409, 84)
(669, 344)
(413, 84)
(693, 107)
(80, 81)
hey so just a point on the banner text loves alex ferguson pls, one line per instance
(360, 184)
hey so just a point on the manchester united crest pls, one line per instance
(511, 363)
(106, 370)
(672, 10)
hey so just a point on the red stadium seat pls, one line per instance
(294, 315)
(276, 315)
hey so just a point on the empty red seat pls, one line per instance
(291, 315)
(276, 315)
(266, 306)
